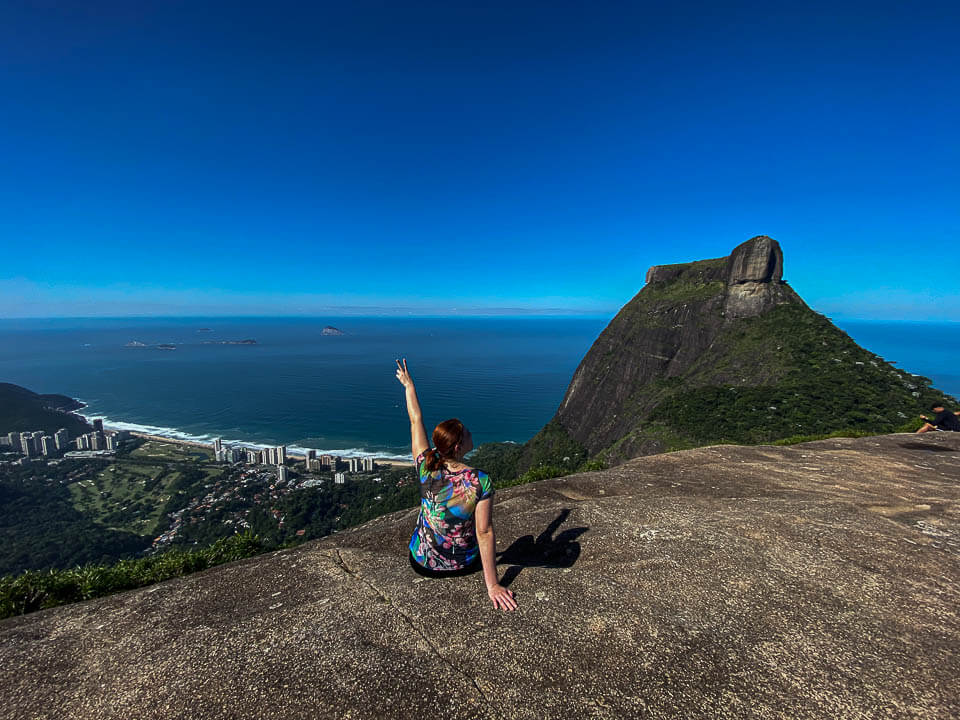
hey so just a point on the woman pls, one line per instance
(454, 533)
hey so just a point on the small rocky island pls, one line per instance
(158, 346)
(248, 341)
(331, 330)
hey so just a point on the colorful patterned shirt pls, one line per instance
(445, 537)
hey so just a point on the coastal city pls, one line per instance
(102, 442)
(178, 491)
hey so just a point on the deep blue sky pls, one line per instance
(283, 158)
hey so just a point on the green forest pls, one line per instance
(22, 410)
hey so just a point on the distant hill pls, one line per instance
(23, 410)
(722, 351)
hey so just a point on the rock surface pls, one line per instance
(754, 278)
(758, 260)
(812, 581)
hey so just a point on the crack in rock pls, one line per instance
(416, 628)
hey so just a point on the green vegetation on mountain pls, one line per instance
(720, 351)
(101, 560)
(22, 410)
(41, 527)
(81, 527)
(818, 380)
(36, 590)
(93, 510)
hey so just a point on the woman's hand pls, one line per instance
(502, 598)
(403, 375)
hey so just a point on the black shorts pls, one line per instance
(473, 567)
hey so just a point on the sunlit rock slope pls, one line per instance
(812, 581)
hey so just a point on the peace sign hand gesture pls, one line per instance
(403, 375)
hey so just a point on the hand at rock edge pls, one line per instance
(502, 598)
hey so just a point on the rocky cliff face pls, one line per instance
(665, 331)
(696, 329)
(806, 582)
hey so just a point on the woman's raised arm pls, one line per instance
(418, 435)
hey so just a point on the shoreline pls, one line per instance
(142, 431)
(392, 462)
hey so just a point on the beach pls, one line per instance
(391, 462)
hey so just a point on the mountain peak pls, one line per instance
(721, 350)
(751, 277)
(759, 259)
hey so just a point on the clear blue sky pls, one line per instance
(286, 158)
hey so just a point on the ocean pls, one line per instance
(503, 376)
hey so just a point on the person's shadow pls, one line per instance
(546, 551)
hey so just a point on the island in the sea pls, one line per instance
(248, 341)
(331, 330)
(204, 330)
(158, 346)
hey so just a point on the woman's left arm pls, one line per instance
(418, 435)
(501, 597)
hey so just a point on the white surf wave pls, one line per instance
(208, 438)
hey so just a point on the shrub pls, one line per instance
(39, 589)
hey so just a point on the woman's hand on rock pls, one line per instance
(502, 598)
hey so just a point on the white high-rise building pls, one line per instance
(340, 478)
(112, 442)
(47, 446)
(353, 464)
(253, 457)
(14, 438)
(367, 464)
(97, 441)
(281, 454)
(61, 438)
(217, 445)
(26, 444)
(283, 473)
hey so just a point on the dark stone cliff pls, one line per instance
(814, 581)
(721, 350)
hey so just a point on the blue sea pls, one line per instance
(503, 376)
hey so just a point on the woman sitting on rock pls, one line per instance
(454, 533)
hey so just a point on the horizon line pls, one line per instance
(506, 313)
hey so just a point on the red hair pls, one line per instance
(446, 436)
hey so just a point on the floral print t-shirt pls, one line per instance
(445, 537)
